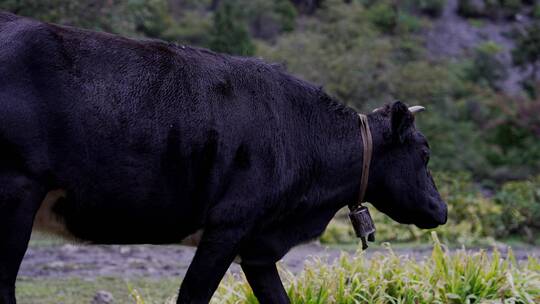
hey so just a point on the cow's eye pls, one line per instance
(425, 156)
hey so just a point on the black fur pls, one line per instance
(153, 141)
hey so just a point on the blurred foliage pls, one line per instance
(526, 54)
(151, 17)
(268, 19)
(536, 11)
(492, 9)
(229, 33)
(486, 67)
(99, 15)
(433, 8)
(520, 202)
(396, 17)
(138, 18)
(384, 15)
(512, 135)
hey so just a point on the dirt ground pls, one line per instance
(68, 260)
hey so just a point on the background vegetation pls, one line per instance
(483, 119)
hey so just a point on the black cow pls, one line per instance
(149, 142)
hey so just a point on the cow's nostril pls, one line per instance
(444, 218)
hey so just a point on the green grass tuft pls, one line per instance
(461, 277)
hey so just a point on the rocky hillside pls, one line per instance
(457, 34)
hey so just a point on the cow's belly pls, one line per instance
(49, 222)
(88, 226)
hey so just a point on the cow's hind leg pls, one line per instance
(19, 201)
(266, 284)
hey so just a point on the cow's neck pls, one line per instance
(344, 152)
(339, 154)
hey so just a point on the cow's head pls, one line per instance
(400, 184)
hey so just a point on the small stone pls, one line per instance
(103, 297)
(125, 250)
(69, 248)
(55, 265)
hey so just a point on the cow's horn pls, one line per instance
(416, 109)
(377, 109)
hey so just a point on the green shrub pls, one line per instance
(512, 137)
(486, 67)
(408, 23)
(494, 9)
(536, 11)
(510, 7)
(383, 15)
(151, 17)
(286, 13)
(409, 50)
(471, 8)
(136, 18)
(154, 19)
(267, 19)
(101, 15)
(432, 8)
(515, 150)
(49, 11)
(526, 54)
(192, 28)
(229, 33)
(473, 215)
(419, 82)
(345, 53)
(520, 202)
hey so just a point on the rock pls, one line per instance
(125, 250)
(69, 248)
(55, 265)
(103, 297)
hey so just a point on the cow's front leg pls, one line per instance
(19, 200)
(215, 253)
(266, 284)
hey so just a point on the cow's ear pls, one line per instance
(402, 121)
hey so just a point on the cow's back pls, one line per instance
(144, 137)
(139, 134)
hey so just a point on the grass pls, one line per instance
(78, 290)
(443, 278)
(460, 277)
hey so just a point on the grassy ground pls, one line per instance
(72, 290)
(442, 277)
(81, 291)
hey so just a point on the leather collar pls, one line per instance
(367, 144)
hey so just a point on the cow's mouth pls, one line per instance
(434, 220)
(432, 225)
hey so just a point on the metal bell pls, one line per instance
(363, 225)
